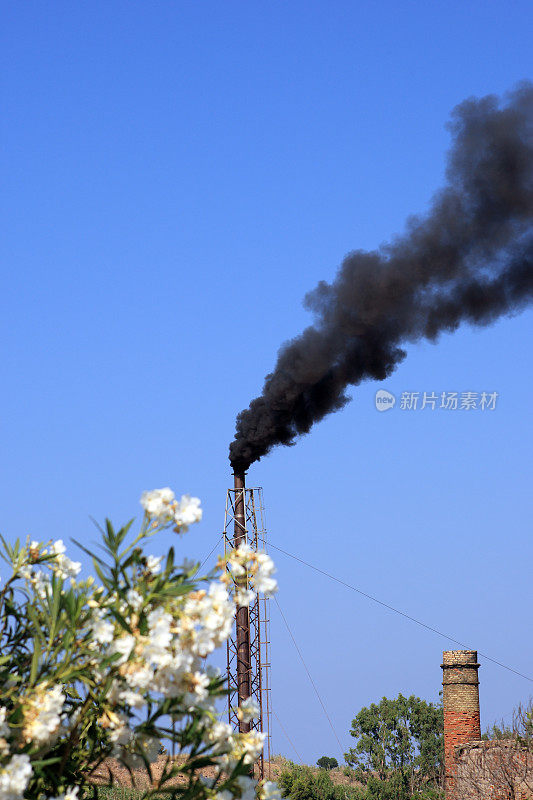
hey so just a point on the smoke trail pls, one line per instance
(469, 259)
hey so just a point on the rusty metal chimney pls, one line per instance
(242, 617)
(461, 707)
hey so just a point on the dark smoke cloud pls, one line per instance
(468, 260)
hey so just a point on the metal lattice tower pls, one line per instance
(249, 645)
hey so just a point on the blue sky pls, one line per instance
(176, 176)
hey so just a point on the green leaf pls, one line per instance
(89, 552)
(107, 583)
(32, 614)
(71, 605)
(120, 619)
(35, 660)
(170, 560)
(123, 532)
(44, 762)
(57, 585)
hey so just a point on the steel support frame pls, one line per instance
(248, 648)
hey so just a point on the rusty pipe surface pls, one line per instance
(242, 616)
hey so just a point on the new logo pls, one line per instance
(384, 400)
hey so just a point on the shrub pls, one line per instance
(96, 668)
(301, 783)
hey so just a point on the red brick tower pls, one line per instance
(461, 707)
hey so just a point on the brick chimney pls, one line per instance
(461, 707)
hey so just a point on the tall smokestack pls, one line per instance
(461, 707)
(469, 259)
(242, 616)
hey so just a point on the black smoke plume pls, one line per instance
(470, 259)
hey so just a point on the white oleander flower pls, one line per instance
(135, 600)
(139, 676)
(257, 565)
(62, 565)
(156, 647)
(247, 786)
(58, 548)
(67, 568)
(253, 746)
(238, 570)
(5, 732)
(4, 727)
(224, 795)
(14, 777)
(39, 581)
(159, 504)
(123, 645)
(263, 580)
(70, 794)
(221, 735)
(244, 551)
(206, 619)
(203, 643)
(248, 710)
(153, 564)
(101, 629)
(247, 746)
(187, 512)
(240, 557)
(169, 679)
(159, 617)
(243, 596)
(133, 699)
(121, 734)
(265, 584)
(270, 791)
(42, 715)
(34, 550)
(117, 727)
(197, 683)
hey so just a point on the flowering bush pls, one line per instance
(111, 667)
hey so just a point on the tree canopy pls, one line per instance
(326, 762)
(400, 746)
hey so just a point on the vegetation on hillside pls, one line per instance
(398, 755)
(304, 783)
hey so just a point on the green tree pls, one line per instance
(400, 748)
(325, 762)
